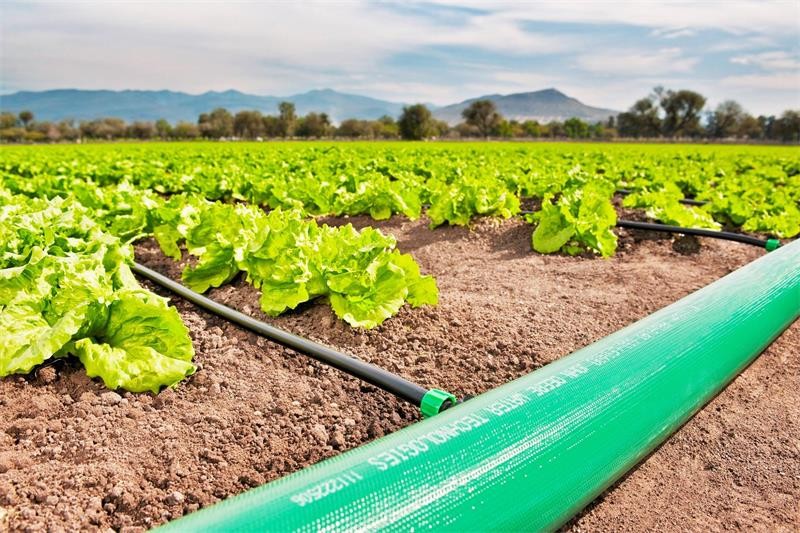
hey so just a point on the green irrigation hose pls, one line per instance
(531, 454)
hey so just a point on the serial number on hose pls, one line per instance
(326, 488)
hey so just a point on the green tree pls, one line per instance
(483, 115)
(141, 130)
(599, 130)
(26, 117)
(185, 130)
(7, 120)
(248, 124)
(163, 128)
(787, 127)
(48, 130)
(68, 131)
(314, 125)
(555, 129)
(416, 123)
(767, 124)
(386, 128)
(34, 136)
(104, 128)
(504, 129)
(516, 129)
(439, 128)
(354, 129)
(465, 131)
(287, 118)
(681, 112)
(532, 128)
(12, 134)
(725, 120)
(641, 120)
(217, 124)
(272, 126)
(750, 128)
(575, 128)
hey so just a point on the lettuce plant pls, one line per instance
(66, 289)
(292, 259)
(577, 220)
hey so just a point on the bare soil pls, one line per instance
(75, 457)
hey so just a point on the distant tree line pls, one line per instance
(680, 114)
(664, 114)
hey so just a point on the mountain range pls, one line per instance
(544, 106)
(78, 104)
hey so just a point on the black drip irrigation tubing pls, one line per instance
(767, 244)
(687, 201)
(383, 379)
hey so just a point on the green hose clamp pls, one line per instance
(433, 401)
(772, 244)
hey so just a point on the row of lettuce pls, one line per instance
(68, 218)
(66, 287)
(752, 190)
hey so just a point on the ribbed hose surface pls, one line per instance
(532, 453)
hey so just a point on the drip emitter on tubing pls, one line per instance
(430, 401)
(532, 453)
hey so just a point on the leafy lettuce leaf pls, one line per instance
(579, 219)
(66, 289)
(292, 260)
(457, 202)
(29, 340)
(663, 203)
(143, 347)
(373, 281)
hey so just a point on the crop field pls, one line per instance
(457, 266)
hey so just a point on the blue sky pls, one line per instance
(604, 53)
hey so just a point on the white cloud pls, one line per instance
(496, 32)
(774, 60)
(346, 34)
(282, 48)
(781, 82)
(635, 63)
(740, 43)
(736, 16)
(349, 36)
(507, 80)
(275, 47)
(669, 33)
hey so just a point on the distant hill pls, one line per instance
(340, 106)
(58, 104)
(544, 106)
(174, 106)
